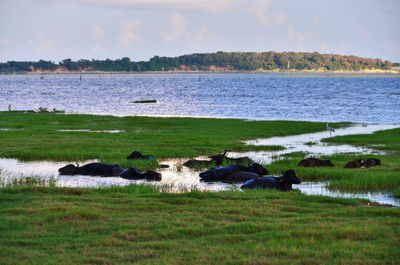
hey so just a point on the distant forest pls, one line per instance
(218, 62)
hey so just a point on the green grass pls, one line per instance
(136, 224)
(161, 137)
(384, 177)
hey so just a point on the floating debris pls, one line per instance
(145, 101)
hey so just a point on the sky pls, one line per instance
(140, 29)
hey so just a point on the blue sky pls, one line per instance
(139, 29)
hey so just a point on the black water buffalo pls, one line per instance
(315, 162)
(138, 155)
(194, 163)
(354, 164)
(233, 173)
(218, 160)
(282, 183)
(360, 163)
(134, 173)
(107, 170)
(221, 158)
(92, 169)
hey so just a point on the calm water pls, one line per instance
(370, 99)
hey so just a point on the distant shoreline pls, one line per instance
(291, 71)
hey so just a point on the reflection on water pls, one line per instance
(301, 143)
(174, 179)
(320, 188)
(178, 178)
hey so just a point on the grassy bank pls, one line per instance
(135, 224)
(383, 177)
(40, 136)
(37, 136)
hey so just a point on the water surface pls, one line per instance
(367, 99)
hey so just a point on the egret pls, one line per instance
(330, 129)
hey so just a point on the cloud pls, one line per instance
(394, 8)
(177, 25)
(174, 5)
(323, 48)
(316, 20)
(203, 37)
(129, 35)
(44, 44)
(391, 48)
(261, 10)
(97, 33)
(4, 40)
(363, 32)
(294, 35)
(97, 49)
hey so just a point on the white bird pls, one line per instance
(330, 129)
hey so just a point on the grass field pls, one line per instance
(135, 224)
(138, 224)
(36, 136)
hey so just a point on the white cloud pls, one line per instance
(129, 35)
(363, 32)
(391, 48)
(394, 8)
(177, 32)
(294, 35)
(44, 44)
(97, 49)
(316, 20)
(192, 5)
(261, 10)
(4, 40)
(202, 38)
(97, 33)
(176, 29)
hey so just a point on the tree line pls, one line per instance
(219, 61)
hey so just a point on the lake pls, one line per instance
(355, 98)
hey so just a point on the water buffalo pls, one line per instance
(233, 173)
(354, 164)
(194, 163)
(107, 170)
(218, 160)
(138, 155)
(221, 158)
(92, 169)
(315, 162)
(371, 162)
(282, 183)
(134, 173)
(360, 163)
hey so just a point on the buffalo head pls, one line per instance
(259, 169)
(152, 175)
(68, 170)
(289, 176)
(218, 158)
